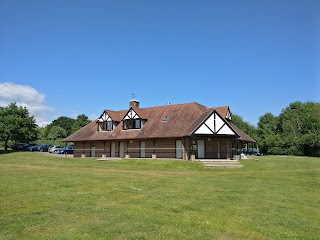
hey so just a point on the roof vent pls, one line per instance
(165, 118)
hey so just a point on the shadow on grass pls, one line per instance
(2, 151)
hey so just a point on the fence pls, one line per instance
(133, 152)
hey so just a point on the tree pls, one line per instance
(63, 127)
(57, 133)
(267, 133)
(64, 122)
(17, 125)
(295, 131)
(299, 126)
(80, 122)
(245, 126)
(267, 124)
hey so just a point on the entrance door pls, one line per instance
(113, 149)
(179, 148)
(93, 150)
(201, 149)
(143, 149)
(121, 150)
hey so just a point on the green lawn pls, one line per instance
(45, 197)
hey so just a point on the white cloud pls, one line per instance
(25, 96)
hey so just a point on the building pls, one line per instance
(183, 131)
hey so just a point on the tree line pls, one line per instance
(17, 125)
(296, 131)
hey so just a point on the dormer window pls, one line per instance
(105, 123)
(132, 120)
(132, 124)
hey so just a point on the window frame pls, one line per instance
(132, 124)
(109, 125)
(102, 126)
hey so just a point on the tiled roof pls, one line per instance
(243, 136)
(223, 110)
(182, 120)
(141, 112)
(116, 115)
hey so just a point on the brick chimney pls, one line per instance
(134, 103)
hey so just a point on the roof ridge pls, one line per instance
(143, 108)
(222, 106)
(175, 104)
(201, 107)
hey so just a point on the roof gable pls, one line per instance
(131, 114)
(104, 117)
(109, 115)
(215, 124)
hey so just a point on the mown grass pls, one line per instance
(45, 197)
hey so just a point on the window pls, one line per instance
(132, 124)
(102, 126)
(137, 123)
(106, 126)
(109, 126)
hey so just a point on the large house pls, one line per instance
(185, 131)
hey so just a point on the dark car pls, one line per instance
(34, 148)
(45, 147)
(66, 150)
(18, 146)
(26, 147)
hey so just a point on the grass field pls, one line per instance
(46, 197)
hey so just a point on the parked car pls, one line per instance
(54, 149)
(18, 146)
(66, 150)
(26, 147)
(45, 147)
(40, 147)
(34, 148)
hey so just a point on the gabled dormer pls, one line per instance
(105, 122)
(133, 120)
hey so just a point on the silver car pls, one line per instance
(55, 149)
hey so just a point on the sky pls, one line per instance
(70, 57)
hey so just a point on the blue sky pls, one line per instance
(76, 56)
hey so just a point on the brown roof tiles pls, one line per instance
(182, 120)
